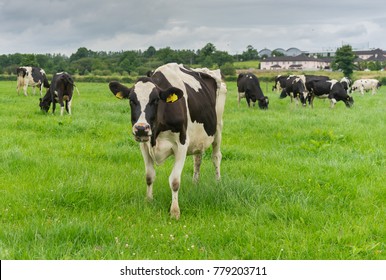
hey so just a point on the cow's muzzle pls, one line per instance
(142, 132)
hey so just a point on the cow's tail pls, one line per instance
(76, 89)
(70, 80)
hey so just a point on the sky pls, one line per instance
(63, 26)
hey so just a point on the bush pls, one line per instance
(228, 69)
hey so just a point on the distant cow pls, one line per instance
(31, 76)
(331, 89)
(60, 91)
(366, 85)
(299, 91)
(176, 112)
(296, 89)
(249, 87)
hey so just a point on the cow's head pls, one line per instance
(349, 101)
(144, 97)
(45, 102)
(263, 103)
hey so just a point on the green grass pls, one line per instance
(297, 183)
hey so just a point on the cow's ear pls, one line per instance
(120, 91)
(171, 95)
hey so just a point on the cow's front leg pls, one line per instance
(25, 88)
(150, 171)
(175, 179)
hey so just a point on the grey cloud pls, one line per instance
(49, 25)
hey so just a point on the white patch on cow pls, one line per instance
(166, 143)
(332, 82)
(170, 70)
(278, 86)
(323, 96)
(333, 102)
(303, 78)
(199, 141)
(143, 91)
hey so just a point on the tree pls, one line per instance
(344, 60)
(276, 53)
(150, 52)
(250, 54)
(205, 55)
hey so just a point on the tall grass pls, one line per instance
(297, 183)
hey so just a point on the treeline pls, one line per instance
(133, 62)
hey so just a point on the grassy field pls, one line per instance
(297, 183)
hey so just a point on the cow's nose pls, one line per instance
(141, 129)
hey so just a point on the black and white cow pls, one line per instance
(60, 91)
(331, 89)
(176, 112)
(299, 87)
(295, 88)
(249, 87)
(31, 76)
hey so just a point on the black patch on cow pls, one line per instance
(171, 115)
(201, 103)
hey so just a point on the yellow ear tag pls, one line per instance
(119, 95)
(172, 98)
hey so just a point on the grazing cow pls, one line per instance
(295, 88)
(280, 83)
(331, 89)
(176, 112)
(61, 89)
(249, 87)
(366, 85)
(31, 76)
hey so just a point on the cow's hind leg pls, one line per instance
(197, 158)
(68, 106)
(216, 153)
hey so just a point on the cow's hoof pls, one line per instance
(175, 214)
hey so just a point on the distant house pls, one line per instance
(296, 59)
(371, 55)
(294, 62)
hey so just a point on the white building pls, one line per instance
(294, 62)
